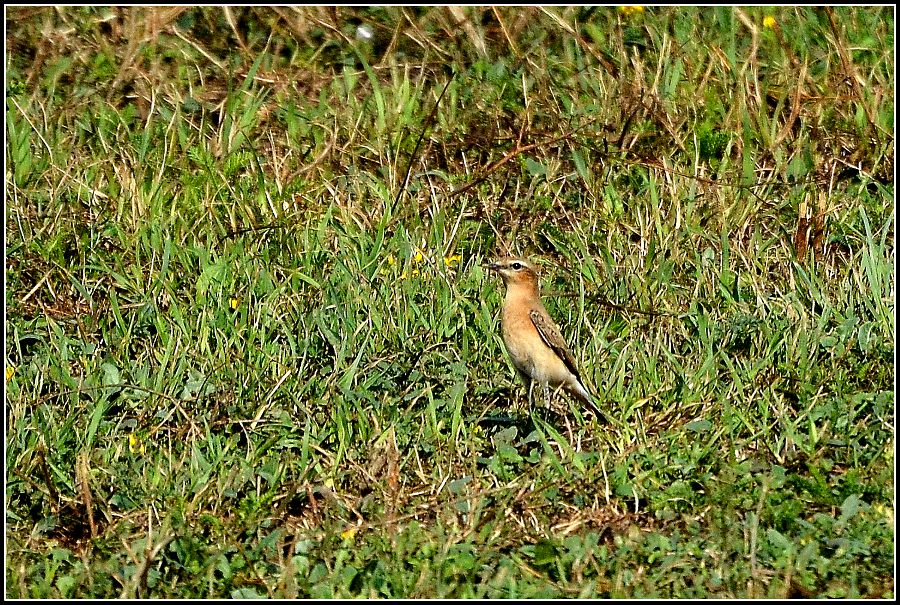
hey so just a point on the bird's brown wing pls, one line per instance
(551, 336)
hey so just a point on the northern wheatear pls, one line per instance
(532, 339)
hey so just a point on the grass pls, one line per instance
(251, 349)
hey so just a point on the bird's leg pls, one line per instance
(548, 408)
(569, 431)
(531, 407)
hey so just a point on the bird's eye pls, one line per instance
(516, 266)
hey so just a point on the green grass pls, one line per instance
(251, 349)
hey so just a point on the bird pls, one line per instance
(532, 339)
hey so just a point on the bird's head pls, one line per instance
(515, 271)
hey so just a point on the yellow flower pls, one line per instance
(135, 445)
(450, 260)
(391, 261)
(630, 10)
(769, 22)
(233, 303)
(349, 534)
(10, 370)
(419, 256)
(886, 512)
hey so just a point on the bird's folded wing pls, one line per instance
(551, 336)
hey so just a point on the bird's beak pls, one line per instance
(491, 266)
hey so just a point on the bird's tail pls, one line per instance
(585, 396)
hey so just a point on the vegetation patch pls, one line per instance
(252, 350)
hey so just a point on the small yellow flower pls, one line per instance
(349, 534)
(135, 445)
(10, 370)
(416, 273)
(451, 260)
(233, 303)
(630, 10)
(391, 261)
(419, 257)
(769, 22)
(886, 512)
(404, 275)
